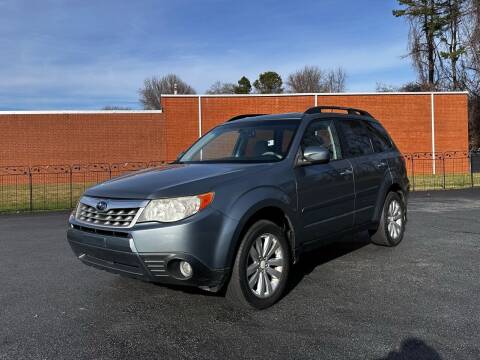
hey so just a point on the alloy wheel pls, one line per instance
(265, 265)
(395, 219)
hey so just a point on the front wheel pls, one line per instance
(392, 221)
(261, 268)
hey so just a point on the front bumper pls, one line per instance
(152, 252)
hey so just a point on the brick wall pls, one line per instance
(451, 123)
(407, 117)
(82, 137)
(38, 138)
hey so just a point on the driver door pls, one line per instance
(326, 194)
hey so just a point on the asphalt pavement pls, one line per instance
(348, 300)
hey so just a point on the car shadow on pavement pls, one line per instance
(413, 348)
(324, 254)
(307, 263)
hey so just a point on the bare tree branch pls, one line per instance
(153, 88)
(312, 79)
(306, 80)
(335, 81)
(221, 88)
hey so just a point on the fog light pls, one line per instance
(186, 269)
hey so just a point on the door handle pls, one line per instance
(346, 172)
(381, 164)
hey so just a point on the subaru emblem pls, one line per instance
(102, 206)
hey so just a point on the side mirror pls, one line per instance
(316, 155)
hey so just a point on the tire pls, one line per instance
(391, 228)
(275, 267)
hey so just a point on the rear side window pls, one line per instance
(356, 138)
(380, 140)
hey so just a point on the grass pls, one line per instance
(61, 195)
(422, 182)
(43, 196)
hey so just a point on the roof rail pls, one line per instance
(350, 111)
(238, 117)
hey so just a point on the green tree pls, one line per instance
(445, 48)
(411, 87)
(244, 86)
(407, 87)
(268, 82)
(453, 14)
(425, 25)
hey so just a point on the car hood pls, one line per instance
(172, 180)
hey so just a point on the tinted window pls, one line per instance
(322, 133)
(356, 138)
(380, 139)
(244, 142)
(220, 147)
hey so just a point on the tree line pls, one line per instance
(444, 47)
(306, 80)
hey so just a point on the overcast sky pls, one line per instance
(86, 54)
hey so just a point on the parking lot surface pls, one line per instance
(348, 300)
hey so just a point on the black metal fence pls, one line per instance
(53, 187)
(447, 170)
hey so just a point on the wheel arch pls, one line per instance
(387, 188)
(273, 211)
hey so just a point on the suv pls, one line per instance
(239, 207)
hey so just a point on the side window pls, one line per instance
(323, 133)
(380, 140)
(356, 137)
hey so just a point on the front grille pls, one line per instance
(112, 218)
(155, 264)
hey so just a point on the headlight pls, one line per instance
(74, 211)
(174, 209)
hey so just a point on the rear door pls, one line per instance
(369, 168)
(325, 191)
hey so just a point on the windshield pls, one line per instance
(265, 141)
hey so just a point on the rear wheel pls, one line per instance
(261, 268)
(392, 222)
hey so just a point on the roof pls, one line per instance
(285, 116)
(316, 111)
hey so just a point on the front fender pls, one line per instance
(253, 201)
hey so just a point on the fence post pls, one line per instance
(413, 175)
(471, 168)
(443, 169)
(30, 187)
(71, 186)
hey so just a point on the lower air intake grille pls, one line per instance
(155, 264)
(102, 232)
